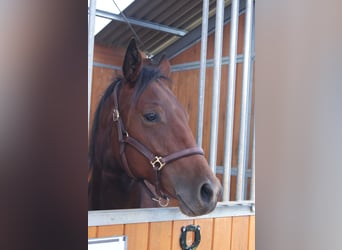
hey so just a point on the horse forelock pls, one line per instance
(148, 74)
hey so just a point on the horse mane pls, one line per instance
(96, 119)
(147, 75)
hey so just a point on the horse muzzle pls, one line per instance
(202, 201)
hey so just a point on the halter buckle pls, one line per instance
(160, 201)
(116, 115)
(157, 163)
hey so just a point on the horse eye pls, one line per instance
(151, 117)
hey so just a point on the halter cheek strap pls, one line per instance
(157, 162)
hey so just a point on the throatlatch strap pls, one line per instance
(120, 129)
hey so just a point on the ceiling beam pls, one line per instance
(146, 24)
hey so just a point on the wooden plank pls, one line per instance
(160, 235)
(137, 236)
(143, 215)
(183, 89)
(240, 230)
(235, 233)
(112, 56)
(92, 232)
(102, 78)
(176, 232)
(222, 233)
(111, 230)
(251, 234)
(206, 233)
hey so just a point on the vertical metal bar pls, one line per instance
(91, 28)
(245, 116)
(203, 68)
(252, 191)
(252, 195)
(230, 100)
(216, 83)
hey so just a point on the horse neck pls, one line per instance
(106, 142)
(104, 164)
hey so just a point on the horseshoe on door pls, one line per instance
(184, 231)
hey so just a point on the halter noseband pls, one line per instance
(157, 162)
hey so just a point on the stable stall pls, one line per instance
(210, 45)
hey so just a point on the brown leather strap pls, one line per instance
(124, 137)
(139, 147)
(183, 153)
(157, 162)
(120, 128)
(167, 159)
(157, 196)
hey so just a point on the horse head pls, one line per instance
(153, 125)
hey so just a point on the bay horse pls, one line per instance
(142, 150)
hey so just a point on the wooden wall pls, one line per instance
(102, 77)
(226, 233)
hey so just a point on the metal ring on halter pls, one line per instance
(160, 201)
(125, 134)
(116, 115)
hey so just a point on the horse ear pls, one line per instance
(132, 63)
(164, 66)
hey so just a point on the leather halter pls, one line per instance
(157, 162)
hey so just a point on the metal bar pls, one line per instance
(108, 66)
(91, 28)
(234, 171)
(178, 67)
(249, 105)
(252, 195)
(244, 124)
(146, 24)
(197, 64)
(203, 63)
(144, 215)
(227, 162)
(252, 191)
(181, 66)
(216, 84)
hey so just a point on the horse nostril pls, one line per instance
(206, 193)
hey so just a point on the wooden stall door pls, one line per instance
(227, 233)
